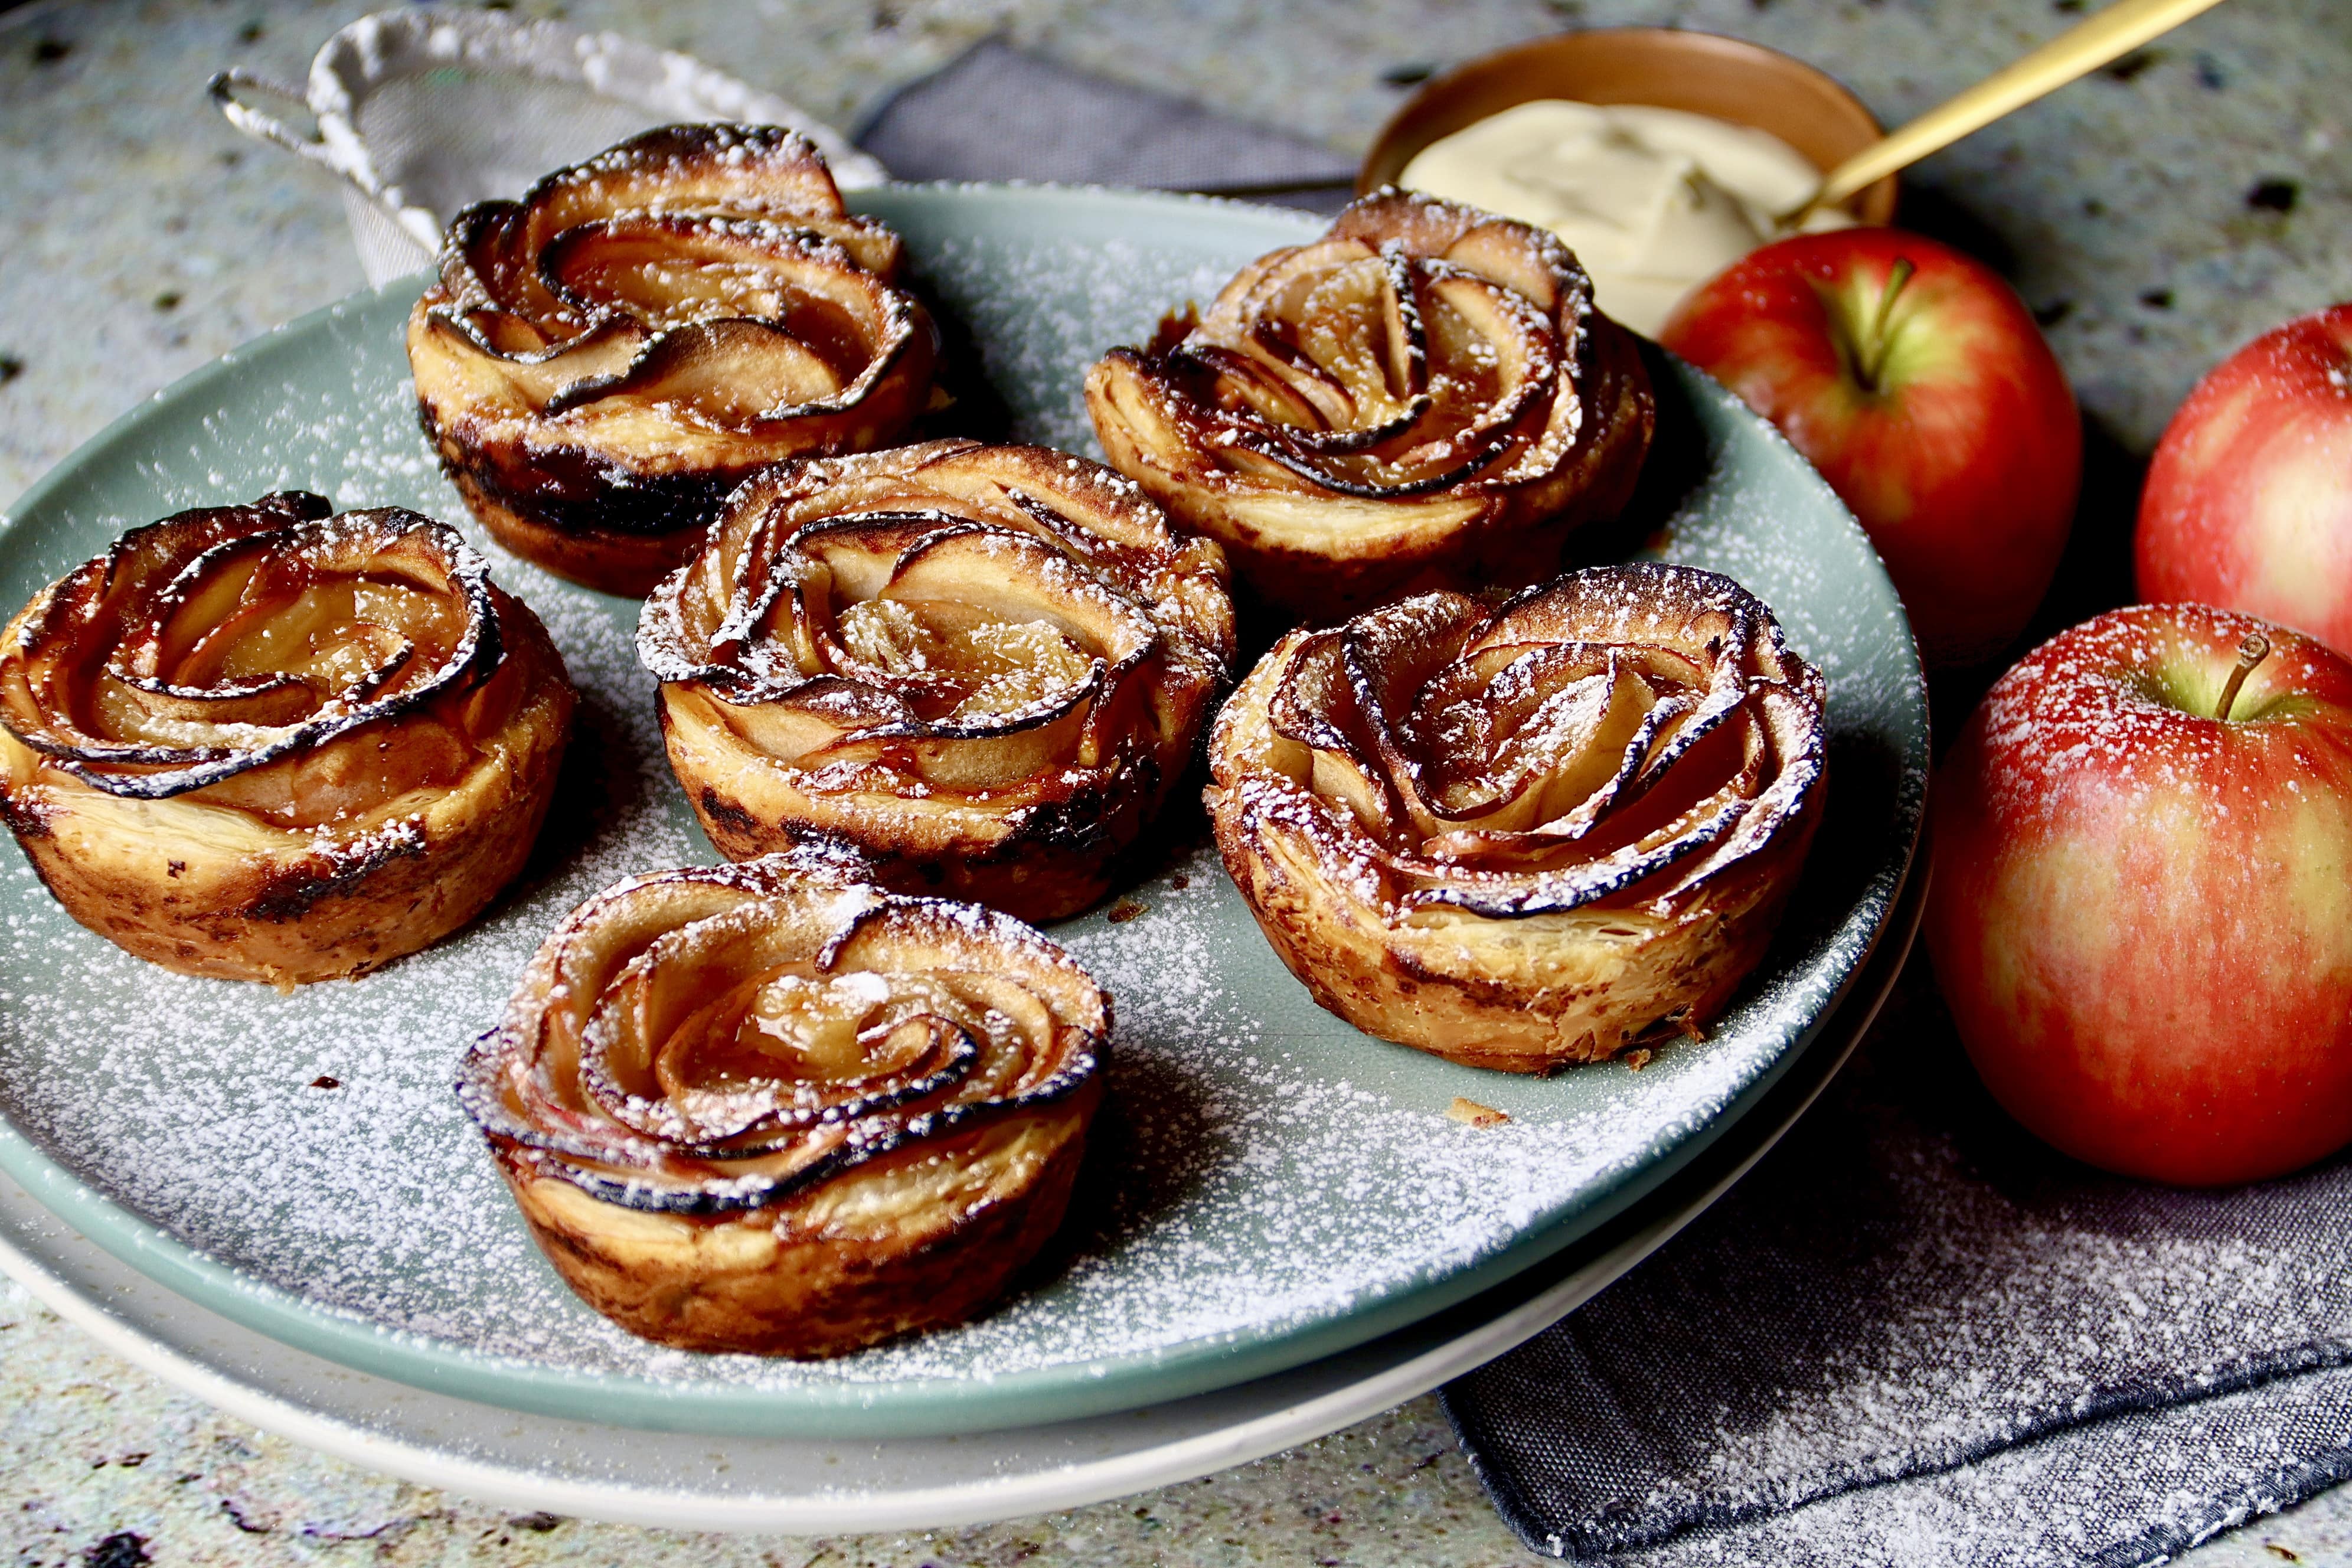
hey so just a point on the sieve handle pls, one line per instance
(263, 126)
(267, 127)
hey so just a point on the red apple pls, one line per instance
(1916, 381)
(2249, 498)
(2142, 911)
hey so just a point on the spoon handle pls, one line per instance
(2080, 49)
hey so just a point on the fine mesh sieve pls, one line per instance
(423, 112)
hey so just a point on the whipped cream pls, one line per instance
(1652, 201)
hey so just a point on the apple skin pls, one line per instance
(1963, 459)
(2142, 916)
(2249, 498)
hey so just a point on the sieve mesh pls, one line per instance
(450, 138)
(424, 113)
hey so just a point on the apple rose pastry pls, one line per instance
(599, 362)
(263, 743)
(1424, 398)
(985, 666)
(767, 1108)
(1530, 836)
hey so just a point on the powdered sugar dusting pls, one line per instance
(1043, 309)
(1261, 1168)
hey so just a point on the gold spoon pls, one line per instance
(2079, 50)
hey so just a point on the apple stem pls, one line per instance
(2251, 652)
(1874, 353)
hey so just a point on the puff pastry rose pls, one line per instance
(767, 1108)
(1530, 836)
(1424, 398)
(985, 666)
(265, 743)
(599, 362)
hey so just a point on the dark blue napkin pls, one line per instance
(995, 113)
(1913, 1335)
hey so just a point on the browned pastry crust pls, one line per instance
(985, 666)
(1529, 836)
(769, 1107)
(599, 362)
(261, 743)
(1424, 398)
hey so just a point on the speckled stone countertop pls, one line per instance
(2155, 216)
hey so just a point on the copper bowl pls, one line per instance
(1704, 73)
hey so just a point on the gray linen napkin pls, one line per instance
(1914, 1336)
(995, 113)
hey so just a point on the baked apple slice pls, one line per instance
(599, 363)
(772, 1109)
(265, 743)
(985, 666)
(1529, 836)
(1424, 398)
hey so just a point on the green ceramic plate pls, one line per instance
(1270, 1185)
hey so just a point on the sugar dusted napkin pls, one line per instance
(1914, 1336)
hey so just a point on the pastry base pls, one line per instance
(1038, 863)
(1529, 995)
(628, 564)
(890, 1248)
